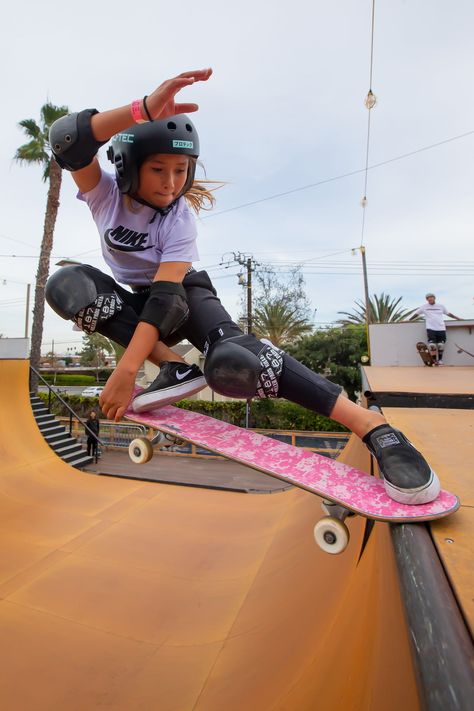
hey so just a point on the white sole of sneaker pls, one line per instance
(422, 495)
(160, 398)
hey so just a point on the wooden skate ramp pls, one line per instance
(132, 595)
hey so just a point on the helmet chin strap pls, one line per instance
(158, 210)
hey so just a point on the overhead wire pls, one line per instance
(370, 103)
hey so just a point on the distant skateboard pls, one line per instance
(425, 354)
(463, 350)
(344, 490)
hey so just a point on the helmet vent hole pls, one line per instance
(171, 125)
(189, 128)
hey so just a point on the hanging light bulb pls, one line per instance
(370, 100)
(363, 202)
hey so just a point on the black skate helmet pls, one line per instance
(129, 148)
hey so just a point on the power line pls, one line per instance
(370, 102)
(339, 177)
(18, 241)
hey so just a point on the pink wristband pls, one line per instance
(136, 110)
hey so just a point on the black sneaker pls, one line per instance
(175, 381)
(408, 478)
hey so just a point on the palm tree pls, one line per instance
(37, 150)
(383, 309)
(280, 322)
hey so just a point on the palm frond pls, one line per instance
(382, 309)
(32, 152)
(50, 113)
(31, 128)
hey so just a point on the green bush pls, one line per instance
(81, 405)
(62, 379)
(264, 414)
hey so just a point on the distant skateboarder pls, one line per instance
(433, 314)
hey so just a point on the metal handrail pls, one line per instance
(71, 411)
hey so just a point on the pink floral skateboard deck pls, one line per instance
(328, 478)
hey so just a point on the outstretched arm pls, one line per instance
(160, 104)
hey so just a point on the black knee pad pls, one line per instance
(232, 370)
(70, 289)
(243, 367)
(73, 294)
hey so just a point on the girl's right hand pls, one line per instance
(117, 394)
(161, 103)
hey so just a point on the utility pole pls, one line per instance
(247, 261)
(366, 286)
(249, 294)
(368, 317)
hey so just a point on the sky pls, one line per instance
(282, 122)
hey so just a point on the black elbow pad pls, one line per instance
(72, 142)
(166, 307)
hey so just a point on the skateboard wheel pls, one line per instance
(140, 450)
(331, 535)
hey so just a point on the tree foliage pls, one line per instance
(280, 323)
(94, 348)
(382, 309)
(335, 353)
(281, 309)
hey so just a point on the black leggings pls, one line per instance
(206, 313)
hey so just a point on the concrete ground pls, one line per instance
(215, 473)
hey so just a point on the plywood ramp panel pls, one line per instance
(448, 380)
(446, 438)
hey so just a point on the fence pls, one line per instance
(116, 435)
(328, 444)
(112, 434)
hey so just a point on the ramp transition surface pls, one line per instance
(134, 595)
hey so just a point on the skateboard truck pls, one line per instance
(331, 533)
(140, 450)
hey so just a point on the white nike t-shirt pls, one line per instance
(134, 244)
(433, 314)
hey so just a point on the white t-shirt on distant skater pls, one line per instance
(433, 315)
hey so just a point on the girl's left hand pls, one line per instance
(161, 103)
(117, 394)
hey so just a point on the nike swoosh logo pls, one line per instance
(122, 247)
(180, 376)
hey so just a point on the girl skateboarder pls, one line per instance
(148, 238)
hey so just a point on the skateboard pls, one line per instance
(463, 350)
(344, 490)
(425, 354)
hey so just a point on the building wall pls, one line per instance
(395, 343)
